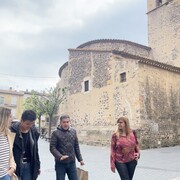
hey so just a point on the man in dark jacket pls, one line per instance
(64, 146)
(25, 148)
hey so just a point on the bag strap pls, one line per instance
(135, 135)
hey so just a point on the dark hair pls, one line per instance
(28, 115)
(65, 116)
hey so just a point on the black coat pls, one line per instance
(18, 150)
(65, 142)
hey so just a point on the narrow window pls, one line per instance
(158, 3)
(86, 85)
(14, 100)
(1, 100)
(123, 77)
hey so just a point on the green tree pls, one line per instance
(52, 102)
(36, 103)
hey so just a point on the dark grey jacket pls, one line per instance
(65, 142)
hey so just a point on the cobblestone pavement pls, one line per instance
(154, 164)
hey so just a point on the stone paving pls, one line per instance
(154, 164)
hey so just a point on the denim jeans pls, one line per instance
(25, 172)
(126, 170)
(63, 169)
(6, 177)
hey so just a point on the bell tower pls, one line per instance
(164, 30)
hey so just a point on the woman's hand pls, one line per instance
(11, 171)
(113, 169)
(136, 155)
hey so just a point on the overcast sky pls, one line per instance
(35, 35)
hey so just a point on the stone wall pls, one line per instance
(64, 84)
(94, 113)
(149, 97)
(118, 45)
(164, 32)
(160, 107)
(79, 67)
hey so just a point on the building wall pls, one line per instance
(117, 45)
(14, 101)
(164, 31)
(150, 98)
(64, 83)
(94, 113)
(160, 106)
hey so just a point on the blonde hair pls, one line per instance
(4, 119)
(127, 126)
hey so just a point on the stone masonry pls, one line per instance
(164, 30)
(106, 79)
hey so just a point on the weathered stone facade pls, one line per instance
(164, 30)
(106, 79)
(160, 107)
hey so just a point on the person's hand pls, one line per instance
(113, 169)
(81, 163)
(11, 171)
(136, 156)
(64, 157)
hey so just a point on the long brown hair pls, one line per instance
(127, 126)
(4, 119)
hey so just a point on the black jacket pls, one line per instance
(18, 149)
(65, 142)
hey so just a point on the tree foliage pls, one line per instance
(52, 102)
(35, 102)
(47, 103)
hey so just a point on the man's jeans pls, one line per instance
(126, 170)
(6, 177)
(63, 169)
(25, 172)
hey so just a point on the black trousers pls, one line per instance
(126, 170)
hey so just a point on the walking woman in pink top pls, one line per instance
(124, 150)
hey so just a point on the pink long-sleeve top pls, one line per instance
(123, 149)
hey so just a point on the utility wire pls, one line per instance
(26, 76)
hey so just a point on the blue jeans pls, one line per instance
(25, 172)
(63, 169)
(126, 170)
(6, 177)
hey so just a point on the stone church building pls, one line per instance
(106, 79)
